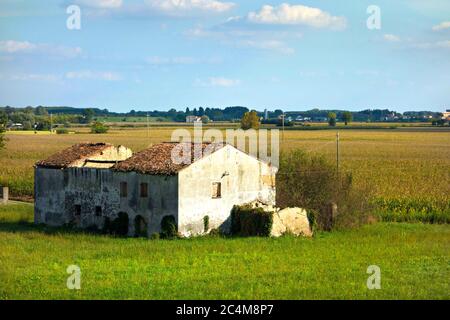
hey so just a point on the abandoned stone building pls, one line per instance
(90, 184)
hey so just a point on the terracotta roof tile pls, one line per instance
(66, 157)
(157, 160)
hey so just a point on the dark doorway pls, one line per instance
(119, 226)
(140, 227)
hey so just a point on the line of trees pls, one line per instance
(40, 119)
(30, 115)
(73, 115)
(347, 117)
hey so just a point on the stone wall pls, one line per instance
(242, 178)
(84, 197)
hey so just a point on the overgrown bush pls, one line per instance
(312, 182)
(155, 236)
(62, 131)
(169, 228)
(215, 233)
(249, 222)
(98, 127)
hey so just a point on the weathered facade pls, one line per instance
(90, 184)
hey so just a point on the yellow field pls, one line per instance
(397, 163)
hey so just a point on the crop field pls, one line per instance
(408, 168)
(414, 261)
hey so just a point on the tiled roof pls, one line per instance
(67, 157)
(157, 160)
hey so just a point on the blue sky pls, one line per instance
(159, 54)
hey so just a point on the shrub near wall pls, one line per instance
(250, 222)
(169, 228)
(309, 181)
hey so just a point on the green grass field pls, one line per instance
(414, 261)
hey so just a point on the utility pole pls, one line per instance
(51, 123)
(148, 128)
(337, 153)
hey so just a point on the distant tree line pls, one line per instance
(368, 115)
(39, 117)
(28, 115)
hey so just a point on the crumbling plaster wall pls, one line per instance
(243, 179)
(58, 192)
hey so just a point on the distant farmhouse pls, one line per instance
(192, 119)
(446, 115)
(15, 126)
(91, 184)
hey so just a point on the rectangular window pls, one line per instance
(123, 190)
(78, 210)
(98, 211)
(144, 190)
(216, 190)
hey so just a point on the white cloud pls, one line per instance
(22, 47)
(413, 43)
(313, 74)
(31, 77)
(234, 19)
(220, 32)
(442, 26)
(275, 45)
(391, 38)
(198, 32)
(243, 38)
(100, 4)
(218, 82)
(67, 52)
(156, 60)
(11, 46)
(433, 45)
(151, 8)
(286, 14)
(224, 82)
(183, 6)
(164, 61)
(93, 75)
